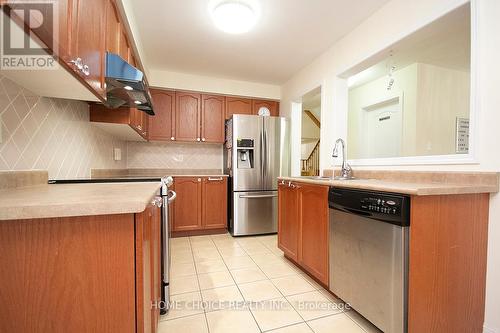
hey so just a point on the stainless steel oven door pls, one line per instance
(166, 252)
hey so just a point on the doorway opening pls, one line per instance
(310, 133)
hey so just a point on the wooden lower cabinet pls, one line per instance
(303, 226)
(200, 205)
(148, 269)
(187, 205)
(313, 233)
(447, 273)
(288, 221)
(214, 203)
(81, 274)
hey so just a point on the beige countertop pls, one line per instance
(411, 188)
(61, 200)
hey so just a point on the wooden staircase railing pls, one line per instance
(310, 167)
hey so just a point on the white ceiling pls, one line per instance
(177, 35)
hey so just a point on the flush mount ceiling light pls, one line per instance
(234, 16)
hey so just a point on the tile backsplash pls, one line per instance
(55, 134)
(51, 134)
(174, 155)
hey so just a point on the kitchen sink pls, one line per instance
(318, 177)
(327, 178)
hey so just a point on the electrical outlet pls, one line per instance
(117, 154)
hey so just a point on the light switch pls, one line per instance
(117, 154)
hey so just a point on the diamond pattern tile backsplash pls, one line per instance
(51, 134)
(174, 155)
(56, 135)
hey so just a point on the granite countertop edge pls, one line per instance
(418, 189)
(56, 201)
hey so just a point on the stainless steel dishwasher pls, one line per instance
(369, 254)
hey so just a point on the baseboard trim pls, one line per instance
(203, 232)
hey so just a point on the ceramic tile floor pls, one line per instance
(223, 284)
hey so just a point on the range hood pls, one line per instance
(125, 85)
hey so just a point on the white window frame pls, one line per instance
(471, 156)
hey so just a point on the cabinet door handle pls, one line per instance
(139, 127)
(214, 179)
(199, 180)
(203, 139)
(157, 202)
(197, 139)
(78, 63)
(86, 70)
(172, 138)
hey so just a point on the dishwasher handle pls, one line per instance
(352, 211)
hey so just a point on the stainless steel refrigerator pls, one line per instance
(255, 154)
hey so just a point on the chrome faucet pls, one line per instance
(346, 170)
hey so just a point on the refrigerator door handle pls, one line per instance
(262, 158)
(257, 196)
(264, 169)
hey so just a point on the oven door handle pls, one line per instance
(171, 195)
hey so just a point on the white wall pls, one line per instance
(309, 129)
(405, 84)
(393, 21)
(443, 95)
(432, 99)
(175, 80)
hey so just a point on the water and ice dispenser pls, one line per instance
(245, 153)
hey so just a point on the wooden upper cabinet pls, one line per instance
(214, 197)
(313, 242)
(124, 45)
(238, 105)
(112, 28)
(88, 40)
(161, 125)
(288, 221)
(273, 106)
(187, 212)
(127, 116)
(59, 43)
(187, 116)
(212, 118)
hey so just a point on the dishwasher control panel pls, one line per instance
(387, 207)
(381, 205)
